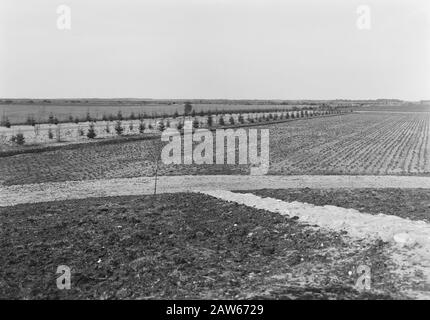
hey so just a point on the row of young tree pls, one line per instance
(188, 111)
(209, 121)
(220, 120)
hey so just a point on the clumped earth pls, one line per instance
(100, 161)
(179, 246)
(412, 204)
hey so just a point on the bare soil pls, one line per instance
(179, 246)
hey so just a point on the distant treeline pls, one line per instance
(187, 111)
(142, 102)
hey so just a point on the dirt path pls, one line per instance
(52, 191)
(410, 240)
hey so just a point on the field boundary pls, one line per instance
(61, 191)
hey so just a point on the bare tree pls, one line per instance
(187, 108)
(155, 156)
(58, 132)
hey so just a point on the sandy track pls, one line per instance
(53, 191)
(410, 240)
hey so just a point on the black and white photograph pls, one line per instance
(226, 152)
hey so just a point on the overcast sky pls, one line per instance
(254, 49)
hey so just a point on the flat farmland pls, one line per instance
(359, 144)
(365, 143)
(18, 113)
(411, 107)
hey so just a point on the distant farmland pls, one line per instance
(396, 108)
(18, 114)
(355, 143)
(19, 111)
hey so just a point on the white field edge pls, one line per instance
(409, 240)
(67, 190)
